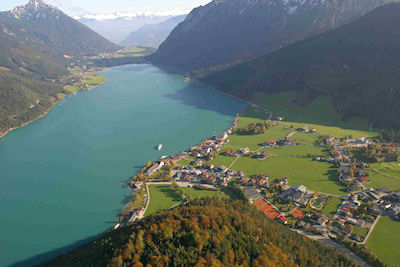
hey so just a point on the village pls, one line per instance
(351, 216)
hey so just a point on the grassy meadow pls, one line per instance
(162, 197)
(384, 241)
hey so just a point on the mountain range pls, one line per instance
(37, 43)
(152, 35)
(117, 29)
(356, 66)
(230, 31)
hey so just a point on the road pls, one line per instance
(329, 242)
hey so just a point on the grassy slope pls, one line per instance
(331, 206)
(385, 241)
(161, 197)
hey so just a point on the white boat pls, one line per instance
(159, 147)
(117, 226)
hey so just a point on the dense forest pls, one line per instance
(204, 232)
(356, 66)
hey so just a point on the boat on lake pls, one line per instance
(159, 147)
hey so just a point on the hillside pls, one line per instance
(37, 43)
(227, 31)
(203, 233)
(50, 31)
(152, 35)
(355, 66)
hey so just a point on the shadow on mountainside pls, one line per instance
(205, 98)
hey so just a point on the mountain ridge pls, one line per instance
(225, 32)
(354, 65)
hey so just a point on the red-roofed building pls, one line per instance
(298, 214)
(260, 203)
(283, 220)
(364, 179)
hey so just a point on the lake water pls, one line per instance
(61, 177)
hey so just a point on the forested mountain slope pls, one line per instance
(206, 232)
(37, 43)
(226, 31)
(356, 66)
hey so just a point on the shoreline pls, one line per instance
(3, 134)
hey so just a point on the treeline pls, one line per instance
(23, 99)
(390, 136)
(253, 129)
(205, 232)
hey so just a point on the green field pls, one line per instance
(195, 193)
(298, 150)
(318, 176)
(161, 197)
(385, 174)
(94, 80)
(305, 138)
(319, 112)
(331, 130)
(384, 241)
(331, 206)
(71, 89)
(253, 141)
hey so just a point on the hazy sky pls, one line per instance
(107, 6)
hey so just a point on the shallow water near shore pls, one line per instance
(61, 177)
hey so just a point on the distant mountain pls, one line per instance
(226, 31)
(116, 28)
(205, 232)
(152, 35)
(49, 30)
(356, 66)
(35, 41)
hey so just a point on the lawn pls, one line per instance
(384, 241)
(161, 197)
(195, 193)
(253, 141)
(331, 206)
(385, 174)
(221, 159)
(318, 176)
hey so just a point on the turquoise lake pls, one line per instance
(61, 177)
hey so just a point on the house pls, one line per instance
(260, 203)
(322, 219)
(228, 152)
(155, 167)
(364, 179)
(198, 162)
(221, 168)
(283, 181)
(347, 229)
(341, 222)
(303, 129)
(298, 213)
(244, 151)
(280, 118)
(221, 136)
(295, 194)
(360, 223)
(208, 165)
(282, 219)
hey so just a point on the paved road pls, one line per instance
(329, 242)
